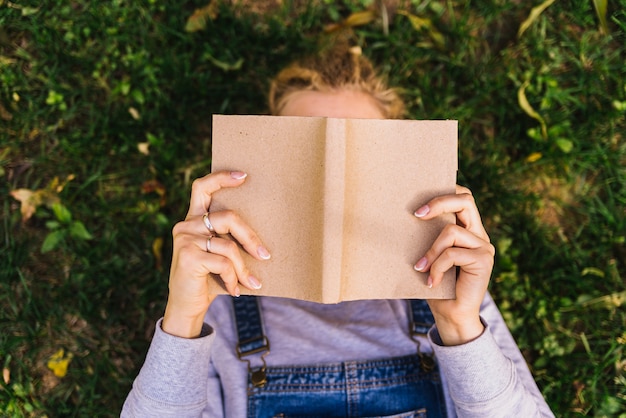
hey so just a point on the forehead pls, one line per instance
(341, 103)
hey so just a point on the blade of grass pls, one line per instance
(534, 14)
(600, 6)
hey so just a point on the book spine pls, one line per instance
(334, 200)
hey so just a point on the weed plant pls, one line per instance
(105, 119)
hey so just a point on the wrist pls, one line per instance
(181, 325)
(454, 332)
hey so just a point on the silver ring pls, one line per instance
(207, 222)
(208, 243)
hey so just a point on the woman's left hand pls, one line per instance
(465, 245)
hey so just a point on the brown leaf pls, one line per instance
(154, 186)
(355, 19)
(6, 375)
(360, 18)
(5, 114)
(144, 148)
(134, 113)
(197, 21)
(29, 202)
(31, 199)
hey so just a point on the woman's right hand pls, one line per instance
(192, 264)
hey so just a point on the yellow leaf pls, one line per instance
(417, 22)
(197, 21)
(59, 362)
(594, 271)
(528, 109)
(422, 23)
(57, 186)
(6, 61)
(534, 14)
(360, 18)
(157, 251)
(535, 156)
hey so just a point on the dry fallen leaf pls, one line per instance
(355, 19)
(31, 199)
(6, 375)
(5, 114)
(134, 113)
(197, 21)
(154, 186)
(144, 148)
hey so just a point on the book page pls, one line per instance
(281, 199)
(393, 169)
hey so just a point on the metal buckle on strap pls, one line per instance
(252, 339)
(417, 329)
(258, 377)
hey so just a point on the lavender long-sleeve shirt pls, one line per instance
(487, 377)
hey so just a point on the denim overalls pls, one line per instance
(407, 386)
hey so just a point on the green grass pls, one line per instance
(83, 84)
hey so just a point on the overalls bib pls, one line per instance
(408, 386)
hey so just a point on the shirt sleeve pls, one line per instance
(173, 381)
(489, 376)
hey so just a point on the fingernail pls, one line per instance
(423, 211)
(429, 282)
(237, 292)
(263, 253)
(254, 282)
(421, 264)
(238, 175)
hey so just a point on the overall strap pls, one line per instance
(251, 338)
(421, 317)
(249, 326)
(420, 320)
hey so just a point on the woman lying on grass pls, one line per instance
(350, 359)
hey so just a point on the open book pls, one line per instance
(333, 201)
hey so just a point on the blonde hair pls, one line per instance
(340, 67)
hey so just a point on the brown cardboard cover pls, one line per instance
(333, 201)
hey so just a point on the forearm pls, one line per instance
(482, 381)
(173, 379)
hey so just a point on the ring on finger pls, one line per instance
(208, 243)
(207, 222)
